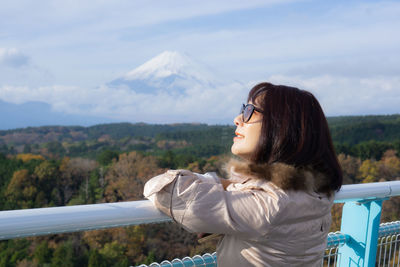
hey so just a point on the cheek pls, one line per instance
(252, 138)
(252, 142)
(246, 146)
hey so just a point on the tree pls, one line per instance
(21, 190)
(55, 149)
(106, 157)
(43, 253)
(125, 179)
(27, 148)
(350, 167)
(96, 259)
(28, 157)
(389, 165)
(115, 254)
(13, 251)
(75, 173)
(369, 171)
(47, 174)
(63, 255)
(371, 149)
(168, 160)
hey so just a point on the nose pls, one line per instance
(238, 120)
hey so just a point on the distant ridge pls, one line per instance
(345, 120)
(346, 129)
(34, 114)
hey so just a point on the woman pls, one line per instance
(274, 210)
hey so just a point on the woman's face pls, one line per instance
(247, 135)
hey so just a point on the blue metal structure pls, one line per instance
(360, 220)
(359, 228)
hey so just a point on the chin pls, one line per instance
(234, 150)
(241, 155)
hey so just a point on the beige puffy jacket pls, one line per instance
(271, 216)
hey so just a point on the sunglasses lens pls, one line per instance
(247, 112)
(242, 109)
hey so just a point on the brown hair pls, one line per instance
(294, 131)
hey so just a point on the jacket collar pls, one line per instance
(286, 177)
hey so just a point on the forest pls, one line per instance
(63, 165)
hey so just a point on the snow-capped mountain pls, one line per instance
(179, 88)
(171, 72)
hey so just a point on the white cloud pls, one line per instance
(347, 55)
(218, 105)
(362, 40)
(338, 95)
(341, 95)
(108, 14)
(83, 42)
(12, 57)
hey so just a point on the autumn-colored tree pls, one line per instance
(336, 213)
(75, 172)
(217, 164)
(46, 171)
(96, 239)
(391, 210)
(369, 171)
(350, 167)
(21, 190)
(28, 157)
(212, 164)
(47, 175)
(111, 245)
(196, 166)
(389, 166)
(125, 178)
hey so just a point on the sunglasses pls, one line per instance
(247, 111)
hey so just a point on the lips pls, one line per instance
(239, 135)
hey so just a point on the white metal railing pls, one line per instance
(43, 221)
(362, 192)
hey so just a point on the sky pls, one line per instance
(64, 53)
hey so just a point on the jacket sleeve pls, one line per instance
(200, 204)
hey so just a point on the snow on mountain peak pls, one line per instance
(171, 63)
(170, 72)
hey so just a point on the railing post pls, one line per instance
(360, 220)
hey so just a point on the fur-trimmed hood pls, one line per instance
(286, 177)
